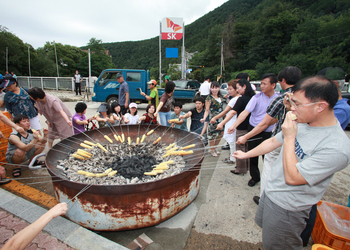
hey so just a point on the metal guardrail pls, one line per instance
(57, 83)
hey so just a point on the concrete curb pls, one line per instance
(61, 228)
(67, 96)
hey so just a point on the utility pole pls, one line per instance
(183, 63)
(89, 68)
(160, 54)
(54, 44)
(30, 74)
(7, 59)
(222, 58)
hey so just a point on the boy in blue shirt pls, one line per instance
(182, 123)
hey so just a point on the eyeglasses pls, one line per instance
(301, 105)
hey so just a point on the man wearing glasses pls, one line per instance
(153, 97)
(314, 147)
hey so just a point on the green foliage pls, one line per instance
(154, 73)
(267, 66)
(43, 60)
(96, 46)
(196, 75)
(17, 52)
(43, 65)
(99, 59)
(174, 72)
(67, 58)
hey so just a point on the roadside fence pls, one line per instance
(55, 83)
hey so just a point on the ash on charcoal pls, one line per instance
(131, 162)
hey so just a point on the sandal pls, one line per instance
(4, 181)
(227, 160)
(213, 153)
(38, 163)
(16, 172)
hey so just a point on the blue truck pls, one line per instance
(106, 88)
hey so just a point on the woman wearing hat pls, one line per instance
(131, 117)
(17, 101)
(103, 117)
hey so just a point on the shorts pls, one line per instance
(29, 155)
(35, 123)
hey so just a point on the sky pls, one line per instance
(75, 22)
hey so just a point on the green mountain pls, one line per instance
(260, 35)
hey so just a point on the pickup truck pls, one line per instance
(106, 88)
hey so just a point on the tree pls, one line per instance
(272, 31)
(96, 46)
(174, 72)
(17, 52)
(154, 73)
(267, 66)
(67, 59)
(99, 59)
(44, 64)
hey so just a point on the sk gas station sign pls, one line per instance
(172, 28)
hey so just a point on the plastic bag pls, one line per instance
(334, 223)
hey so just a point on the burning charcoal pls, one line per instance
(130, 161)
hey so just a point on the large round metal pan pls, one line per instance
(131, 206)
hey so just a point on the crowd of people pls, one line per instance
(297, 167)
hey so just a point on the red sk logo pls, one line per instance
(172, 25)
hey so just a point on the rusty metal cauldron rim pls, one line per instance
(53, 156)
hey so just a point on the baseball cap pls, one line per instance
(11, 81)
(132, 105)
(7, 82)
(119, 75)
(152, 81)
(4, 83)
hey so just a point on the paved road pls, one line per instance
(221, 217)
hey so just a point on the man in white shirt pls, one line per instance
(77, 79)
(204, 90)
